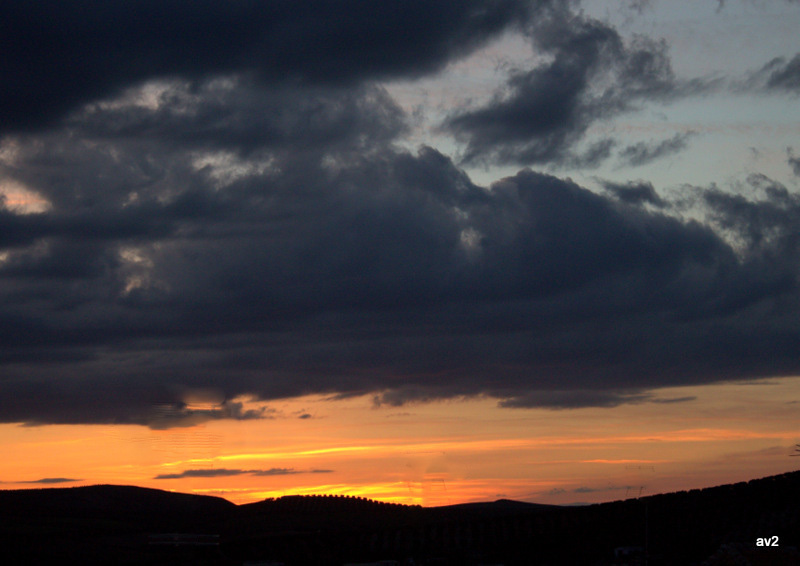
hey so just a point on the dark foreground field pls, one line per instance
(756, 522)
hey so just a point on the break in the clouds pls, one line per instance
(239, 212)
(226, 472)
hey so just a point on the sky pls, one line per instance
(424, 251)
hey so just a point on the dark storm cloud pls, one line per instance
(236, 113)
(373, 271)
(224, 472)
(206, 227)
(592, 74)
(643, 153)
(125, 172)
(58, 56)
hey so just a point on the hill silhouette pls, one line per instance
(131, 525)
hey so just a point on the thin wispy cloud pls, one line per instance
(52, 481)
(226, 472)
(643, 153)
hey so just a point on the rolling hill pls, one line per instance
(730, 524)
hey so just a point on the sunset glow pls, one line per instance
(434, 453)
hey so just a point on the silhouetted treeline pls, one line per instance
(118, 525)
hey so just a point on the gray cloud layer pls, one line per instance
(211, 225)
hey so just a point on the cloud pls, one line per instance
(721, 3)
(224, 472)
(784, 75)
(237, 113)
(174, 415)
(639, 5)
(778, 75)
(590, 74)
(382, 271)
(586, 489)
(49, 481)
(635, 193)
(768, 224)
(643, 153)
(59, 56)
(210, 225)
(285, 471)
(203, 473)
(674, 400)
(572, 399)
(794, 162)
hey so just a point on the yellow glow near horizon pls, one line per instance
(434, 453)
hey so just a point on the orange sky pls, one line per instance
(434, 453)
